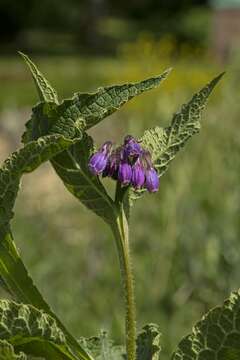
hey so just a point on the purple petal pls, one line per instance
(124, 173)
(97, 163)
(138, 175)
(152, 180)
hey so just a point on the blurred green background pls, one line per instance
(185, 239)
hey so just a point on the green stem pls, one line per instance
(121, 234)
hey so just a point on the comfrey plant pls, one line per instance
(57, 131)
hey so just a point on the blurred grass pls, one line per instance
(185, 239)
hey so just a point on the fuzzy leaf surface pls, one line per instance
(148, 343)
(92, 108)
(216, 336)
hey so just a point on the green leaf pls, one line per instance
(164, 144)
(12, 269)
(102, 348)
(92, 108)
(216, 336)
(7, 352)
(21, 325)
(148, 343)
(84, 110)
(72, 168)
(45, 91)
(72, 165)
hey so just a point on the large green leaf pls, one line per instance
(148, 343)
(21, 325)
(83, 109)
(92, 108)
(7, 352)
(165, 143)
(216, 336)
(12, 270)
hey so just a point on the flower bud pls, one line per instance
(138, 175)
(152, 180)
(124, 173)
(99, 160)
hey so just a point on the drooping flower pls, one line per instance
(131, 147)
(138, 174)
(124, 173)
(152, 180)
(99, 160)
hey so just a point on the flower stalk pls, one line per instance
(121, 234)
(130, 165)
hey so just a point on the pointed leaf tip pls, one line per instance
(45, 91)
(216, 80)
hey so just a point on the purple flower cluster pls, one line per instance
(130, 164)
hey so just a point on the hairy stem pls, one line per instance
(121, 234)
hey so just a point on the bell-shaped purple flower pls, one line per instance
(131, 147)
(138, 175)
(124, 173)
(152, 180)
(99, 160)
